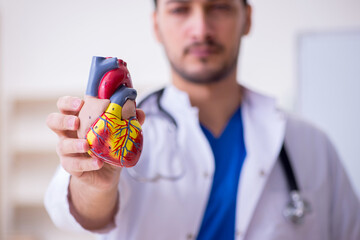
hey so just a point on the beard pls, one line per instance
(206, 76)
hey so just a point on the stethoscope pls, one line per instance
(297, 207)
(177, 159)
(294, 211)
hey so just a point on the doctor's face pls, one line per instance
(202, 38)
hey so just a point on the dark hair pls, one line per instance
(155, 2)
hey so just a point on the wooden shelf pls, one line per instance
(31, 178)
(33, 142)
(28, 162)
(35, 223)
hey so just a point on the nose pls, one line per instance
(199, 25)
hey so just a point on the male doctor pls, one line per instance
(224, 137)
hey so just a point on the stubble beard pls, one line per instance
(206, 76)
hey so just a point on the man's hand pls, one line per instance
(93, 184)
(73, 151)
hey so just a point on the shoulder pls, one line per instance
(255, 99)
(298, 131)
(301, 132)
(311, 152)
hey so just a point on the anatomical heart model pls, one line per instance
(108, 118)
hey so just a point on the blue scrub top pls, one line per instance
(229, 152)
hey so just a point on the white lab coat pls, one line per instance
(165, 210)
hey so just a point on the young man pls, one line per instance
(211, 150)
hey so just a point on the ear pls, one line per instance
(156, 26)
(248, 19)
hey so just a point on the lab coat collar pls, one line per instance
(264, 130)
(177, 103)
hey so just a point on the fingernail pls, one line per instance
(76, 103)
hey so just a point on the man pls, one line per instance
(226, 140)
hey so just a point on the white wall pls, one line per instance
(269, 60)
(48, 44)
(329, 86)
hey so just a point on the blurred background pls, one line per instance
(305, 53)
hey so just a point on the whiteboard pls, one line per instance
(329, 91)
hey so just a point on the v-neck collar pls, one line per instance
(234, 117)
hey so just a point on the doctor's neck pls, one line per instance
(217, 101)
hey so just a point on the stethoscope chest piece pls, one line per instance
(297, 208)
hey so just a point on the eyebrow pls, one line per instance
(176, 1)
(185, 1)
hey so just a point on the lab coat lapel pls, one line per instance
(264, 129)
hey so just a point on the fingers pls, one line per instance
(69, 105)
(63, 125)
(74, 157)
(71, 150)
(68, 146)
(77, 166)
(140, 115)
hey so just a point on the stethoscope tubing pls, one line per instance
(288, 170)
